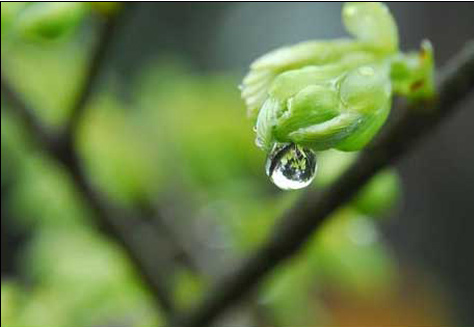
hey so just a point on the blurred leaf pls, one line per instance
(10, 302)
(44, 196)
(350, 256)
(380, 194)
(14, 146)
(189, 288)
(190, 116)
(289, 295)
(89, 279)
(9, 13)
(48, 78)
(331, 164)
(45, 21)
(120, 158)
(257, 217)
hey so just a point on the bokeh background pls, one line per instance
(167, 127)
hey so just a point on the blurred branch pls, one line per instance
(97, 63)
(36, 127)
(115, 223)
(134, 235)
(301, 221)
(182, 242)
(200, 259)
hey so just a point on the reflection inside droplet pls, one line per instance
(291, 167)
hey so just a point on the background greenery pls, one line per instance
(175, 134)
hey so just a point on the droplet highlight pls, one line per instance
(291, 167)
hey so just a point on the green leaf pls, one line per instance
(366, 91)
(265, 69)
(314, 104)
(371, 23)
(380, 195)
(265, 123)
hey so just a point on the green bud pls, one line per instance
(49, 20)
(265, 69)
(265, 124)
(365, 91)
(325, 107)
(314, 104)
(379, 195)
(335, 94)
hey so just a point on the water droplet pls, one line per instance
(291, 167)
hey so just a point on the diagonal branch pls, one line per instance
(97, 61)
(121, 226)
(117, 224)
(42, 135)
(199, 259)
(299, 223)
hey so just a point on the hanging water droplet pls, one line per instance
(291, 167)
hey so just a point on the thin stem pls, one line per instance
(300, 222)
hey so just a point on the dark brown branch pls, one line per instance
(199, 259)
(299, 223)
(117, 224)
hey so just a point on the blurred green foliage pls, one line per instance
(49, 20)
(43, 22)
(179, 135)
(379, 195)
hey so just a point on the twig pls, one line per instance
(115, 223)
(300, 222)
(106, 36)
